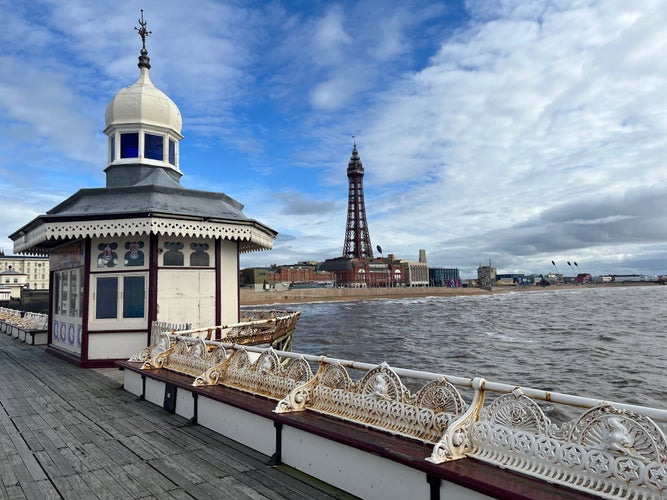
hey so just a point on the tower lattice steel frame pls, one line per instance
(357, 240)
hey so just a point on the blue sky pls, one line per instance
(513, 131)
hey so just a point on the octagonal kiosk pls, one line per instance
(143, 248)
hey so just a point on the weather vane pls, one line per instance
(143, 32)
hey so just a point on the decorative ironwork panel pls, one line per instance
(607, 451)
(379, 400)
(266, 376)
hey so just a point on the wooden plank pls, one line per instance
(231, 487)
(172, 468)
(27, 458)
(81, 486)
(15, 493)
(32, 441)
(117, 453)
(55, 436)
(39, 490)
(66, 432)
(116, 483)
(7, 475)
(134, 488)
(53, 459)
(151, 479)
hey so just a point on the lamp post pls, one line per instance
(388, 283)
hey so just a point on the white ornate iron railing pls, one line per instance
(611, 449)
(24, 320)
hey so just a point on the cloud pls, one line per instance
(296, 203)
(521, 131)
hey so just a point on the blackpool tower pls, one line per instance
(357, 240)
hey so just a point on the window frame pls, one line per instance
(123, 146)
(122, 319)
(153, 150)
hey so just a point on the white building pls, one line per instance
(13, 281)
(35, 268)
(143, 248)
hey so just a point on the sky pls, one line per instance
(511, 132)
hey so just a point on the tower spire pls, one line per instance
(357, 240)
(144, 60)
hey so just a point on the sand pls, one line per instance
(266, 297)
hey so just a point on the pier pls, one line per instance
(67, 432)
(358, 427)
(261, 423)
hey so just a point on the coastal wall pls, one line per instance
(253, 297)
(249, 297)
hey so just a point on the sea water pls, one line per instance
(601, 342)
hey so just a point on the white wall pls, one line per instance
(115, 345)
(186, 296)
(229, 276)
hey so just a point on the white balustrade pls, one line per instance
(611, 449)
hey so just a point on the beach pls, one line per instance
(265, 297)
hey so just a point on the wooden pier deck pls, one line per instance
(68, 432)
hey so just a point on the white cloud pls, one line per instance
(522, 131)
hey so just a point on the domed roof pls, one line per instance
(143, 103)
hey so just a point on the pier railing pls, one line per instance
(23, 319)
(610, 449)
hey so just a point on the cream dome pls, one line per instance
(143, 103)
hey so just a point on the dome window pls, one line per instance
(154, 147)
(129, 145)
(172, 152)
(112, 145)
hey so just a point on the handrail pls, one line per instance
(241, 324)
(612, 449)
(24, 319)
(471, 383)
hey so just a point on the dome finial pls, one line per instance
(144, 60)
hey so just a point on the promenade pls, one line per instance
(67, 432)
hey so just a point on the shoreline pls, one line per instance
(267, 297)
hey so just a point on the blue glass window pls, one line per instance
(106, 305)
(172, 152)
(133, 297)
(129, 145)
(113, 147)
(154, 147)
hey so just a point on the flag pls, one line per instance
(553, 262)
(568, 263)
(576, 264)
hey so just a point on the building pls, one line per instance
(362, 273)
(13, 281)
(511, 279)
(35, 268)
(142, 248)
(583, 278)
(304, 275)
(256, 278)
(486, 275)
(417, 272)
(444, 276)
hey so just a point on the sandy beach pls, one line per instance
(265, 297)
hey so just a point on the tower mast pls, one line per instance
(357, 240)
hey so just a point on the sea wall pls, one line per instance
(249, 297)
(253, 297)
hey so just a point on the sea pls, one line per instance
(605, 343)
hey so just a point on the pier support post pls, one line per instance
(276, 458)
